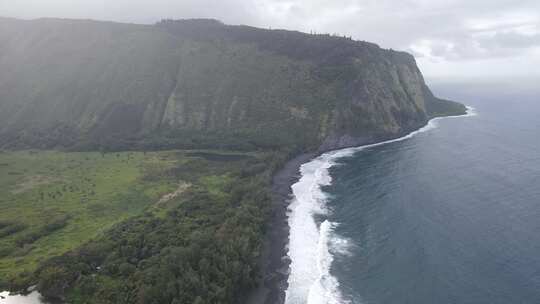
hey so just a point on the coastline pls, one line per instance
(274, 260)
(274, 264)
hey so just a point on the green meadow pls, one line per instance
(52, 202)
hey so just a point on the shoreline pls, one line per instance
(274, 260)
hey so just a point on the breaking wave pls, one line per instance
(312, 240)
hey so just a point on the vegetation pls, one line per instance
(441, 108)
(52, 202)
(195, 84)
(97, 231)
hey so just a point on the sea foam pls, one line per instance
(312, 240)
(310, 280)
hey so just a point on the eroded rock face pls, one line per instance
(197, 83)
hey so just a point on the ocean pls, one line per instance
(448, 214)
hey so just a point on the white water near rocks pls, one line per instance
(312, 241)
(32, 298)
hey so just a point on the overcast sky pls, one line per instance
(452, 39)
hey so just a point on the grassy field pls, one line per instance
(163, 227)
(52, 202)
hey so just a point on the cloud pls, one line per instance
(511, 40)
(443, 30)
(503, 35)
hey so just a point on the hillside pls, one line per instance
(85, 85)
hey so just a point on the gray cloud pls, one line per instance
(511, 40)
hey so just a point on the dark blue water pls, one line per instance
(451, 215)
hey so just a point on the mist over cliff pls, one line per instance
(78, 84)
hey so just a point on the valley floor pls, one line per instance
(52, 202)
(57, 207)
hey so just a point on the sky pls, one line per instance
(451, 39)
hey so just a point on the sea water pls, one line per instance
(447, 214)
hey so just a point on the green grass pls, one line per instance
(52, 202)
(217, 185)
(203, 237)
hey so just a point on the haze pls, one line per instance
(455, 39)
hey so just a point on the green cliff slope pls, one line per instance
(201, 84)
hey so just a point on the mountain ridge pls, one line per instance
(199, 83)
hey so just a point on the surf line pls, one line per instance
(311, 245)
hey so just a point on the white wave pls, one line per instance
(340, 245)
(305, 240)
(325, 289)
(471, 112)
(32, 298)
(311, 247)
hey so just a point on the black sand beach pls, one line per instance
(274, 264)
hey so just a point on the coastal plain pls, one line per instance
(54, 202)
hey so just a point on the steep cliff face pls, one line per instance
(328, 92)
(199, 83)
(61, 80)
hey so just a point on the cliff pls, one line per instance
(201, 84)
